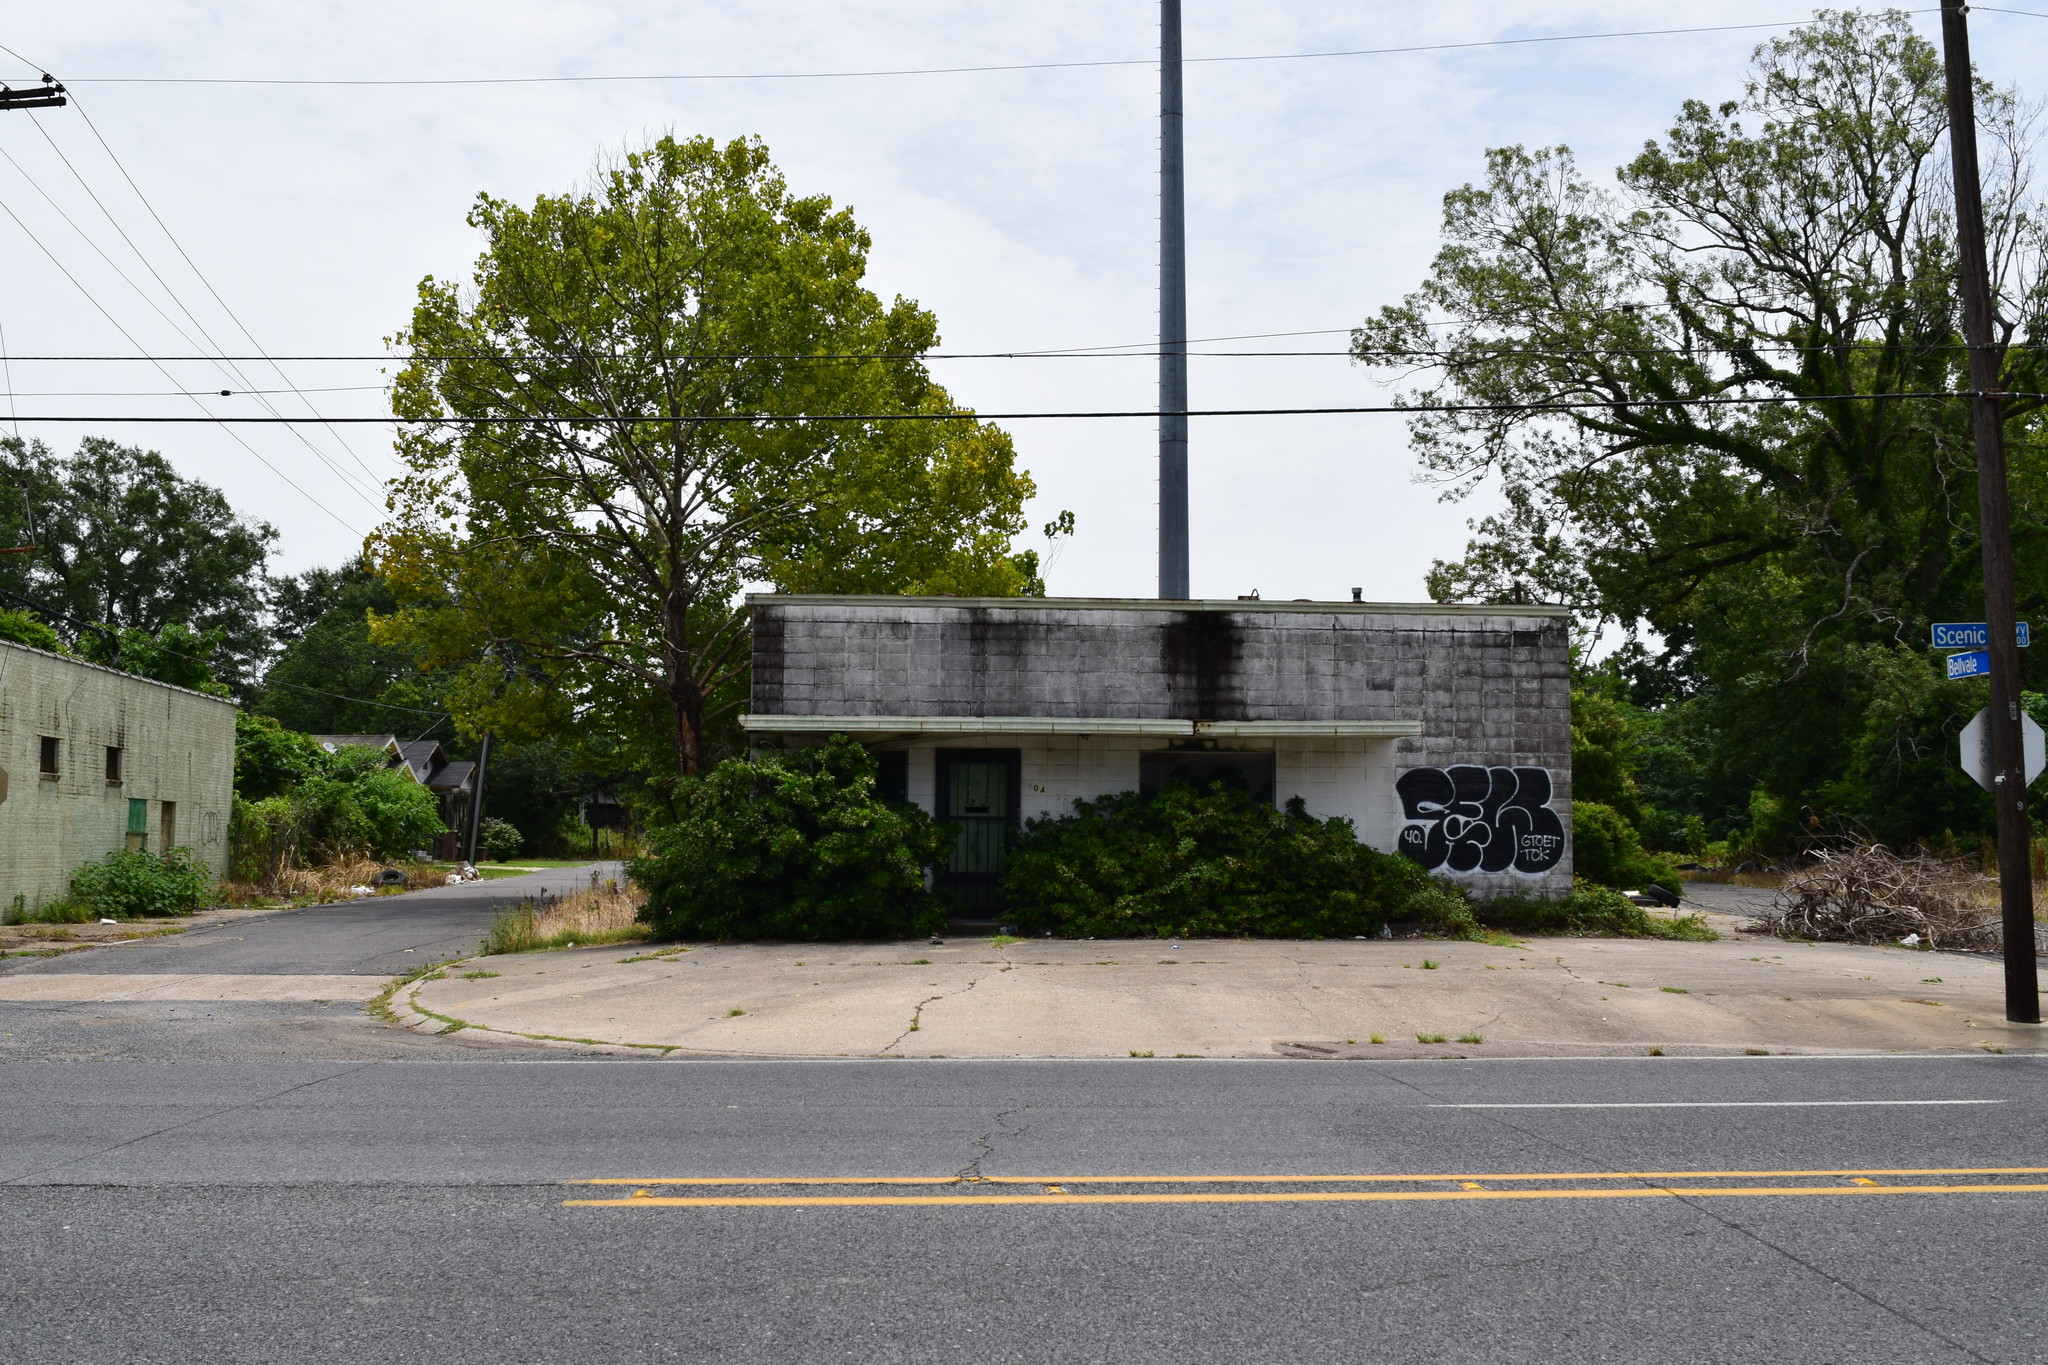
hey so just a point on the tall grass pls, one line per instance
(602, 913)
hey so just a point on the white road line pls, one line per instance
(1715, 1104)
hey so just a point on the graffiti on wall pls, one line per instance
(1477, 819)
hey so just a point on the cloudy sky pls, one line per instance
(1019, 205)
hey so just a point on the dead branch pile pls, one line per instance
(1865, 893)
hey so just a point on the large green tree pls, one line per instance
(1693, 396)
(636, 409)
(331, 677)
(127, 543)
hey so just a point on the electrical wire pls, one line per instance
(129, 338)
(69, 619)
(1490, 349)
(7, 369)
(927, 71)
(347, 479)
(200, 275)
(1409, 409)
(240, 379)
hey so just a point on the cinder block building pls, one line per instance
(1441, 731)
(93, 759)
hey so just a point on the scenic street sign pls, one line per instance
(1971, 635)
(1976, 747)
(1975, 664)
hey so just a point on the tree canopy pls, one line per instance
(127, 543)
(1745, 481)
(634, 411)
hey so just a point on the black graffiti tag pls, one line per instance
(1475, 819)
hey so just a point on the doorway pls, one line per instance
(978, 792)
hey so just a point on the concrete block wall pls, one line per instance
(1490, 687)
(176, 746)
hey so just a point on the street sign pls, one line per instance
(1975, 664)
(1972, 634)
(1976, 748)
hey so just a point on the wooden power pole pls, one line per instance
(1994, 504)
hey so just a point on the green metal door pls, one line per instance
(977, 790)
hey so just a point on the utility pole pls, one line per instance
(1173, 316)
(51, 96)
(1994, 515)
(476, 800)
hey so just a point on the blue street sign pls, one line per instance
(1971, 634)
(1975, 664)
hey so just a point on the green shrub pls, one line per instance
(365, 809)
(1607, 850)
(1588, 910)
(798, 847)
(500, 838)
(134, 882)
(270, 759)
(1209, 860)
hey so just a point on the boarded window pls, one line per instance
(892, 776)
(49, 755)
(1254, 772)
(113, 764)
(138, 818)
(167, 826)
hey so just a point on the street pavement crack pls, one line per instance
(985, 1145)
(187, 1123)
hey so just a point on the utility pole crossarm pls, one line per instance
(51, 96)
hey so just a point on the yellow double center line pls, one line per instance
(1425, 1188)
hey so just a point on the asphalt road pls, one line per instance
(405, 1211)
(374, 938)
(299, 1187)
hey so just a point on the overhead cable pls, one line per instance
(595, 421)
(929, 70)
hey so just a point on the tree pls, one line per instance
(331, 677)
(124, 541)
(616, 429)
(1746, 474)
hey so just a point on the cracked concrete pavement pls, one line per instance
(1231, 998)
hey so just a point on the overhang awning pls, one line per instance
(1076, 725)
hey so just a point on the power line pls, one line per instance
(200, 275)
(925, 71)
(1412, 409)
(8, 209)
(1487, 349)
(143, 294)
(105, 629)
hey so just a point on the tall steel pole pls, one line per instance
(1173, 316)
(1994, 514)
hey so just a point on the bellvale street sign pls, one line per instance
(1970, 635)
(1975, 664)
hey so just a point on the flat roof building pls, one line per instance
(1441, 731)
(93, 760)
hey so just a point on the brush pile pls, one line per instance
(1865, 893)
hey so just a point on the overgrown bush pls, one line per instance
(359, 806)
(132, 883)
(798, 847)
(500, 838)
(1606, 849)
(1588, 910)
(1208, 860)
